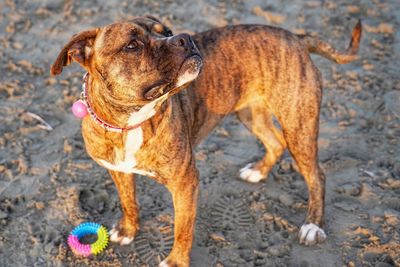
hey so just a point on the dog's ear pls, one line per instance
(159, 26)
(79, 49)
(152, 18)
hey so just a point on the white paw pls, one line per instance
(250, 175)
(311, 234)
(122, 240)
(163, 264)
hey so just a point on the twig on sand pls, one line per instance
(371, 174)
(46, 126)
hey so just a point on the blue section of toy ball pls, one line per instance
(87, 228)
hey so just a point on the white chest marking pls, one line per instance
(124, 159)
(145, 113)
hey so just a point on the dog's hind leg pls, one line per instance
(258, 119)
(300, 121)
(302, 144)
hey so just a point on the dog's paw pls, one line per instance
(170, 262)
(249, 174)
(117, 236)
(311, 234)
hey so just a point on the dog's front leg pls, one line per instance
(184, 192)
(128, 226)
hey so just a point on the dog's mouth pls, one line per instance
(188, 71)
(156, 90)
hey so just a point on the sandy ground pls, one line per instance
(48, 184)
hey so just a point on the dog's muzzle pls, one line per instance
(188, 71)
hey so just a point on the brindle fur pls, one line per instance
(255, 71)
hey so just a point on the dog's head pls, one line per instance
(138, 60)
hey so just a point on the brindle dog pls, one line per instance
(137, 70)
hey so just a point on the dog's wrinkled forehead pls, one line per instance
(111, 37)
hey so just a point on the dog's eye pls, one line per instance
(133, 45)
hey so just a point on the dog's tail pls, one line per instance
(317, 46)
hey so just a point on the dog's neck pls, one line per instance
(116, 115)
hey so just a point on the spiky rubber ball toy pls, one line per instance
(88, 228)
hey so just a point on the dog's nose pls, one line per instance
(182, 40)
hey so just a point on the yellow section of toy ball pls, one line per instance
(101, 242)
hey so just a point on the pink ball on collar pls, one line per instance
(79, 109)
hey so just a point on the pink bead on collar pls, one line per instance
(79, 109)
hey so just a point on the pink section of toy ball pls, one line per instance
(79, 109)
(77, 247)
